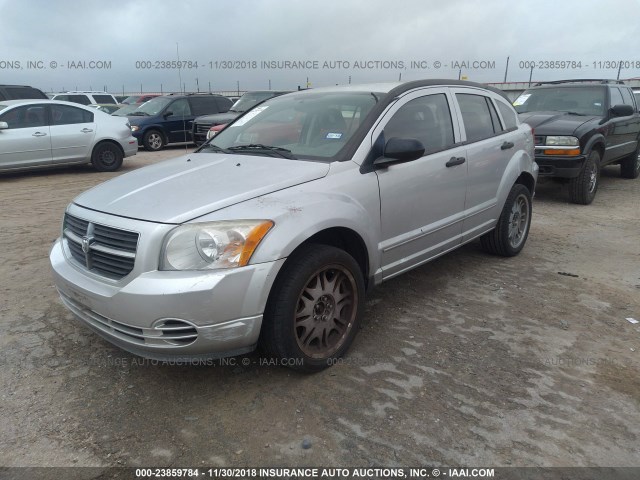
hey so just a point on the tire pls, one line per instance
(106, 157)
(314, 308)
(512, 230)
(583, 188)
(153, 141)
(630, 166)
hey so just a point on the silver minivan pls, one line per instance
(271, 233)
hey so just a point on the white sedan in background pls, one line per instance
(46, 133)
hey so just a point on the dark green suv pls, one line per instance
(581, 126)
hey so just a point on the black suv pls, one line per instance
(201, 125)
(20, 92)
(580, 126)
(169, 118)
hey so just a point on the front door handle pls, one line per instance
(506, 146)
(39, 134)
(453, 161)
(86, 130)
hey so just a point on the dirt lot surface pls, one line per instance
(470, 360)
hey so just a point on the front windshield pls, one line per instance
(152, 107)
(126, 110)
(131, 99)
(313, 125)
(577, 100)
(249, 100)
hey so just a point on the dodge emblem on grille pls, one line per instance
(86, 243)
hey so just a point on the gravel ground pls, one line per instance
(468, 360)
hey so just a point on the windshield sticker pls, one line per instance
(334, 135)
(250, 115)
(521, 99)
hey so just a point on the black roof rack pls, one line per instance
(581, 80)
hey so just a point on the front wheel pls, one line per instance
(314, 308)
(153, 141)
(512, 230)
(106, 157)
(583, 188)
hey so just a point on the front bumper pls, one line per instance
(218, 313)
(558, 166)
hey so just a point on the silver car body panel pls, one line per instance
(405, 215)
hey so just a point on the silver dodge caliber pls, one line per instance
(271, 233)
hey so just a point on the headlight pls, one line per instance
(558, 141)
(135, 128)
(212, 245)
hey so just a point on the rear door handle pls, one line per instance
(39, 134)
(506, 146)
(453, 161)
(86, 130)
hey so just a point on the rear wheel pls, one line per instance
(106, 157)
(314, 309)
(512, 230)
(630, 166)
(583, 188)
(153, 140)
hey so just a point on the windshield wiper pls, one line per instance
(138, 114)
(211, 146)
(283, 152)
(573, 113)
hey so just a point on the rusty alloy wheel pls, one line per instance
(325, 312)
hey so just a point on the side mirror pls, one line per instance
(399, 150)
(167, 114)
(621, 110)
(4, 125)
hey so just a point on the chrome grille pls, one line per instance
(107, 251)
(202, 128)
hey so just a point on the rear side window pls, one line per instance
(508, 115)
(427, 119)
(81, 99)
(103, 99)
(224, 104)
(203, 105)
(67, 115)
(476, 116)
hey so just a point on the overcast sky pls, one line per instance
(52, 34)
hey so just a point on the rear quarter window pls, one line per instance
(104, 99)
(509, 116)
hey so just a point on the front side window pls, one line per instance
(616, 96)
(427, 119)
(25, 117)
(67, 115)
(81, 99)
(308, 125)
(627, 98)
(476, 116)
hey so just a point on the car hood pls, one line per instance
(218, 118)
(555, 123)
(140, 119)
(193, 185)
